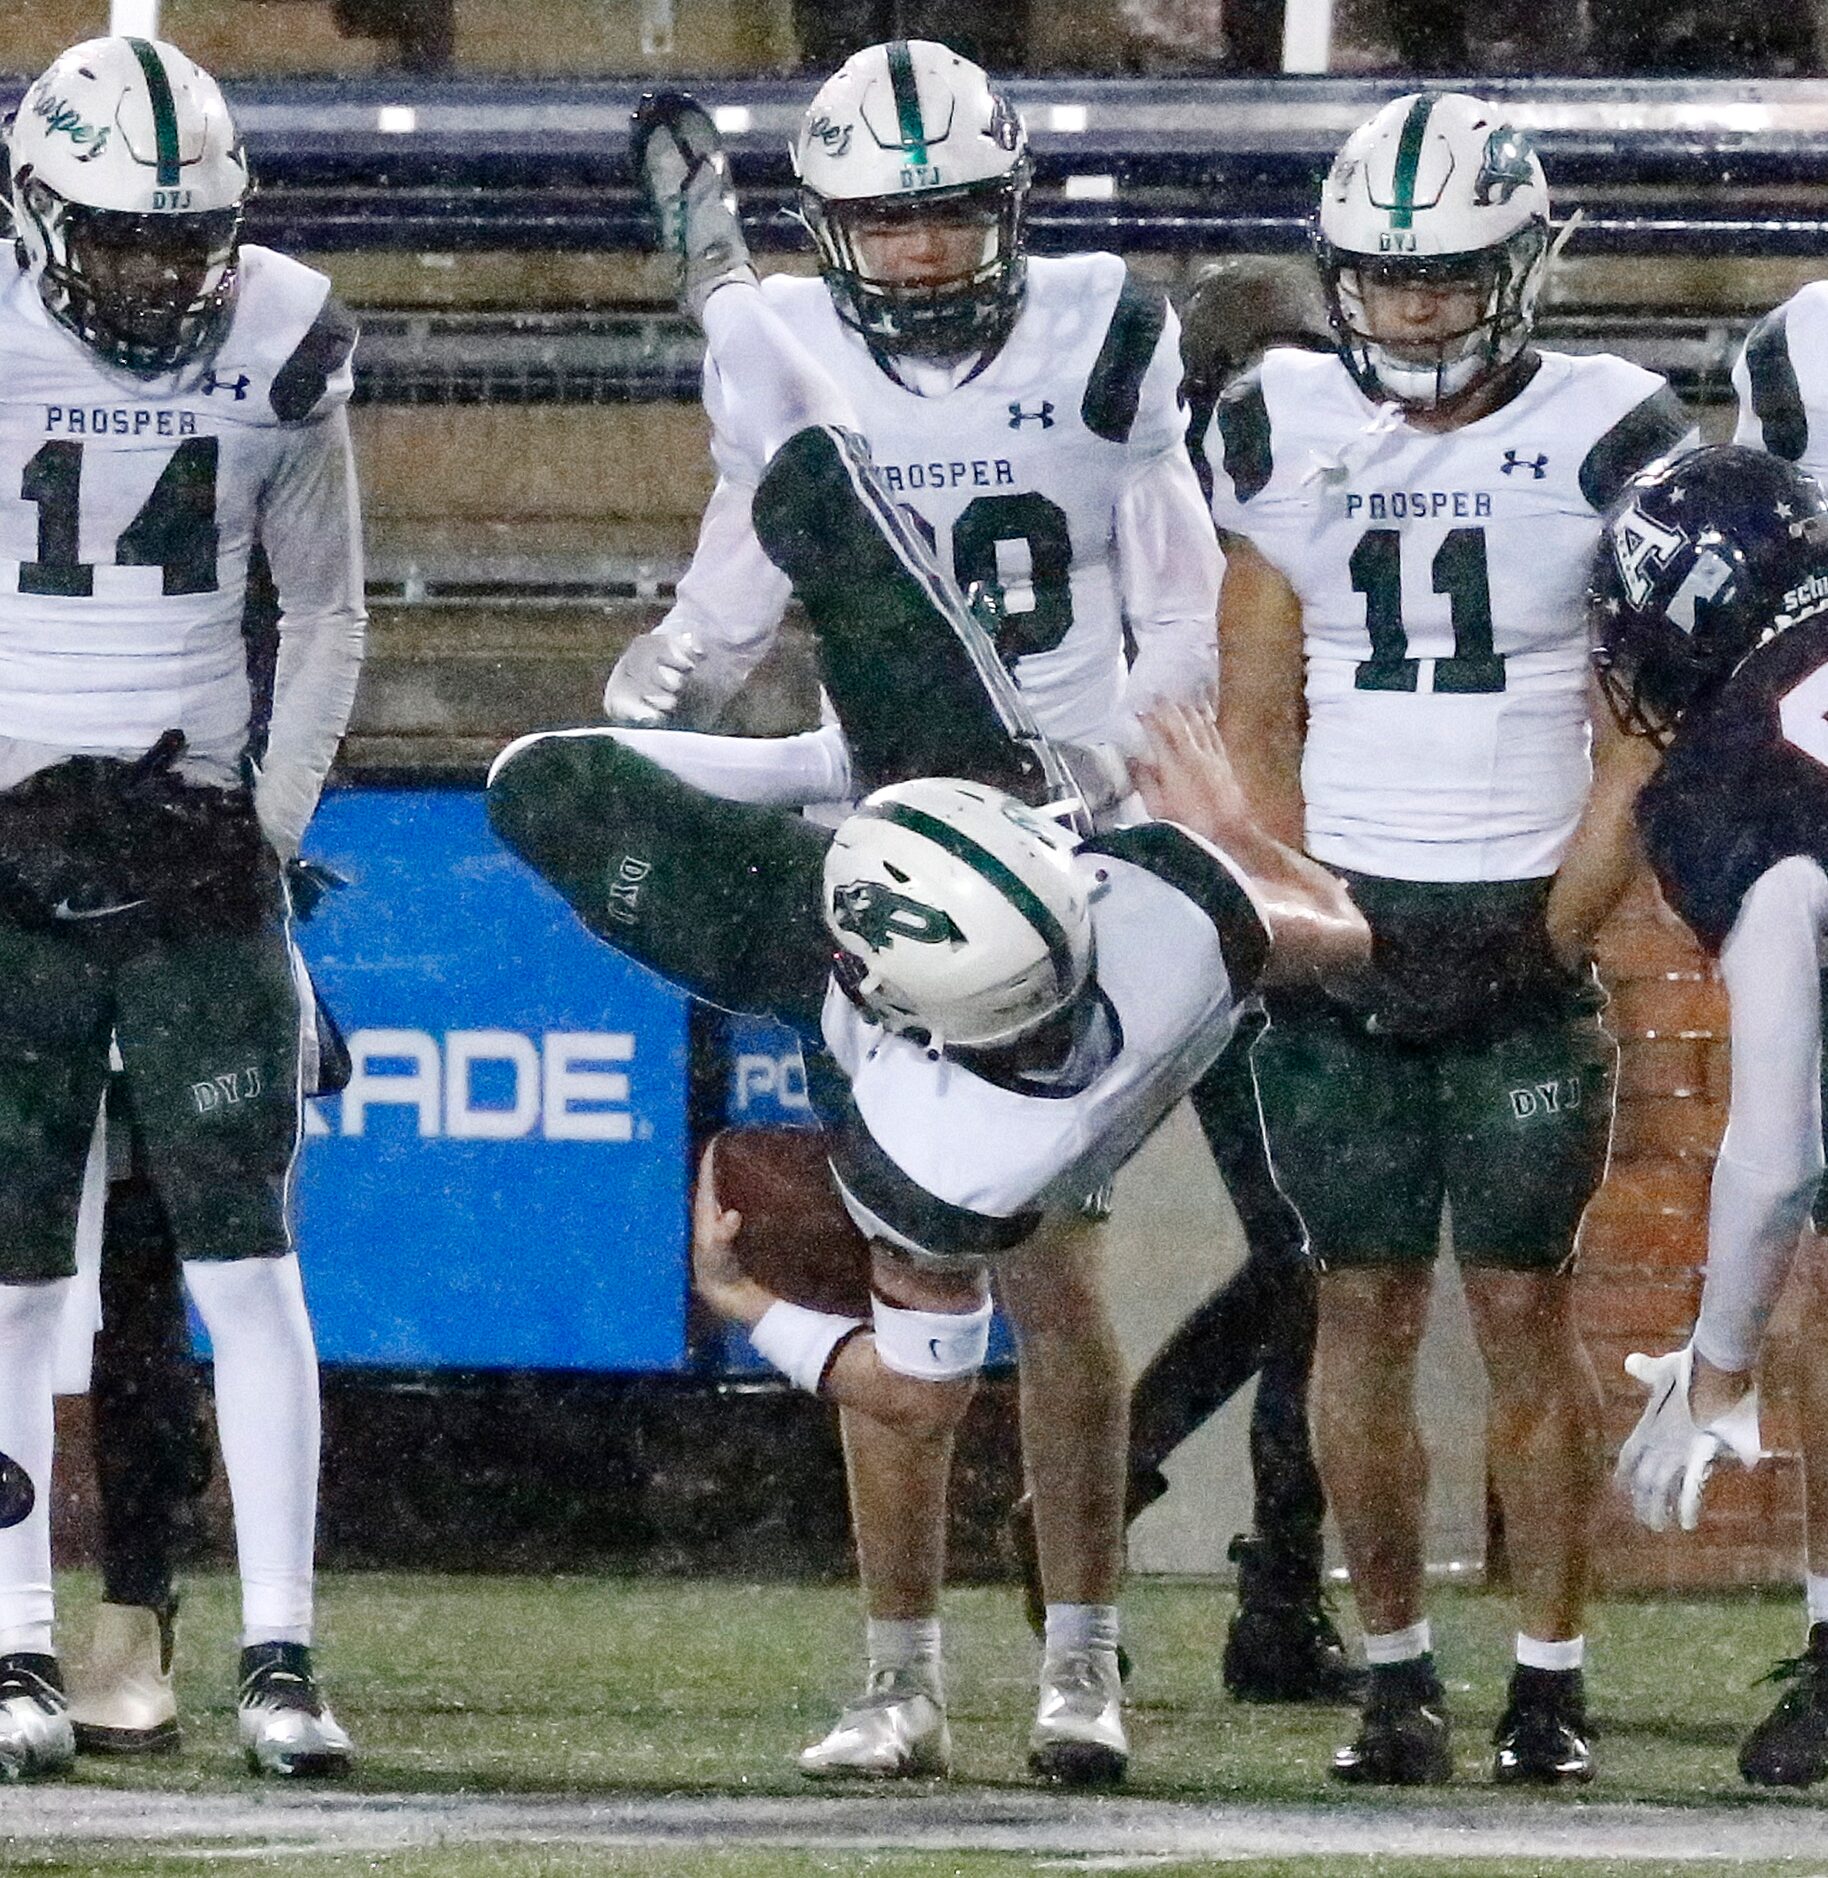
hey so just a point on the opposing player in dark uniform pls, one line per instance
(1710, 601)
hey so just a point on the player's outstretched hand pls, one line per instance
(716, 1270)
(1665, 1462)
(1184, 774)
(643, 690)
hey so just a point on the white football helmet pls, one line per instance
(127, 187)
(1436, 189)
(905, 130)
(959, 912)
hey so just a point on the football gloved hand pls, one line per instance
(643, 690)
(1666, 1459)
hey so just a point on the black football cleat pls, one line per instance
(1404, 1739)
(1789, 1748)
(1541, 1738)
(1282, 1645)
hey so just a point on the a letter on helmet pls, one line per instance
(1703, 558)
(958, 912)
(910, 130)
(127, 188)
(1437, 189)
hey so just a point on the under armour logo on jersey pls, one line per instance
(239, 385)
(878, 914)
(1538, 466)
(1044, 417)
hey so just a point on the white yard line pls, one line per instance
(1122, 1832)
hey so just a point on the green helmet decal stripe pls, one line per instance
(907, 101)
(1408, 161)
(164, 112)
(1010, 886)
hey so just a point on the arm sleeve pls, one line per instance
(1771, 1157)
(732, 598)
(786, 772)
(1169, 565)
(311, 528)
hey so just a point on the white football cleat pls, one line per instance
(1665, 1462)
(1079, 1739)
(896, 1731)
(121, 1697)
(35, 1734)
(284, 1723)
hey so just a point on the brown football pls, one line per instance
(796, 1237)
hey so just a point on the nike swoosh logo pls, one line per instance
(933, 1345)
(64, 910)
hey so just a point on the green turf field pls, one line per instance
(617, 1692)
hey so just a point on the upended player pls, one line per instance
(1026, 410)
(171, 398)
(1408, 528)
(959, 918)
(1711, 633)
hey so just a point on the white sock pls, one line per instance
(905, 1643)
(768, 385)
(1536, 1653)
(1081, 1627)
(1399, 1646)
(29, 1316)
(1815, 1587)
(267, 1420)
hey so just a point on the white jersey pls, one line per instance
(932, 1155)
(129, 510)
(1441, 580)
(1057, 475)
(1781, 377)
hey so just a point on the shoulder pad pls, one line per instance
(1193, 869)
(1647, 431)
(1113, 388)
(325, 350)
(1777, 401)
(1242, 416)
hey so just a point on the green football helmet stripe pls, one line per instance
(1408, 161)
(907, 101)
(164, 112)
(1012, 888)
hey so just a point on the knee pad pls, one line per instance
(931, 1346)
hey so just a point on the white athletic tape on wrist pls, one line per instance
(800, 1343)
(931, 1346)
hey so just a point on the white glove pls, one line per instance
(1667, 1458)
(643, 691)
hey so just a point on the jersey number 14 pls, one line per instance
(174, 531)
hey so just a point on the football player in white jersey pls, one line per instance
(1408, 525)
(172, 400)
(1711, 633)
(1025, 411)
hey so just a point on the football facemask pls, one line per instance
(1435, 193)
(908, 139)
(127, 188)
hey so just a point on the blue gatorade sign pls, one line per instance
(503, 1183)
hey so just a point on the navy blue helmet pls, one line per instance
(1704, 557)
